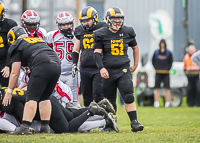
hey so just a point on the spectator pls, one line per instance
(162, 61)
(192, 73)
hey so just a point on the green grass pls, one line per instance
(180, 124)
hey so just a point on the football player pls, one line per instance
(114, 64)
(30, 20)
(62, 120)
(45, 70)
(62, 41)
(5, 25)
(90, 76)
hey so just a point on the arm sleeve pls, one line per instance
(75, 57)
(8, 60)
(133, 43)
(170, 61)
(98, 59)
(153, 61)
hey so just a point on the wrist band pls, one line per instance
(10, 90)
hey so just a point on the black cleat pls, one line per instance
(136, 126)
(45, 129)
(94, 109)
(108, 129)
(110, 122)
(106, 105)
(23, 130)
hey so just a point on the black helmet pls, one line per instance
(114, 12)
(16, 33)
(88, 13)
(2, 11)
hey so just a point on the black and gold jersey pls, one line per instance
(115, 45)
(31, 51)
(5, 26)
(86, 44)
(17, 93)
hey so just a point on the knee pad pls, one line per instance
(129, 99)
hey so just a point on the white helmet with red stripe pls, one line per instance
(28, 18)
(65, 18)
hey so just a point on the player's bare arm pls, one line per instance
(136, 58)
(76, 46)
(12, 82)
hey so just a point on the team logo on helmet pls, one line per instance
(88, 13)
(114, 13)
(30, 17)
(16, 33)
(2, 11)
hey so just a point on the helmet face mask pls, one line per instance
(85, 15)
(15, 33)
(114, 18)
(30, 17)
(64, 18)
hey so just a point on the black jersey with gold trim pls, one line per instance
(115, 45)
(5, 26)
(86, 44)
(31, 51)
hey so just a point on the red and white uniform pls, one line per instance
(63, 46)
(42, 33)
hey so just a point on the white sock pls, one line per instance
(95, 117)
(88, 125)
(156, 104)
(167, 104)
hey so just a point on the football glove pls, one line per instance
(74, 70)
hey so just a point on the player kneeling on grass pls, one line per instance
(115, 67)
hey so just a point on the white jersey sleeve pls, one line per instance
(42, 33)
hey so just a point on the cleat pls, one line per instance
(136, 126)
(22, 130)
(108, 129)
(45, 129)
(31, 130)
(71, 105)
(110, 123)
(94, 109)
(106, 105)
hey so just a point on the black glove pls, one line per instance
(74, 70)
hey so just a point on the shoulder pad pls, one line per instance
(14, 46)
(130, 31)
(99, 34)
(78, 31)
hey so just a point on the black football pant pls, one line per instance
(193, 91)
(65, 121)
(118, 79)
(91, 87)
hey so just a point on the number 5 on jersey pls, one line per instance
(64, 48)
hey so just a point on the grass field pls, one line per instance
(180, 124)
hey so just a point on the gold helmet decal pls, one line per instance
(12, 34)
(1, 8)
